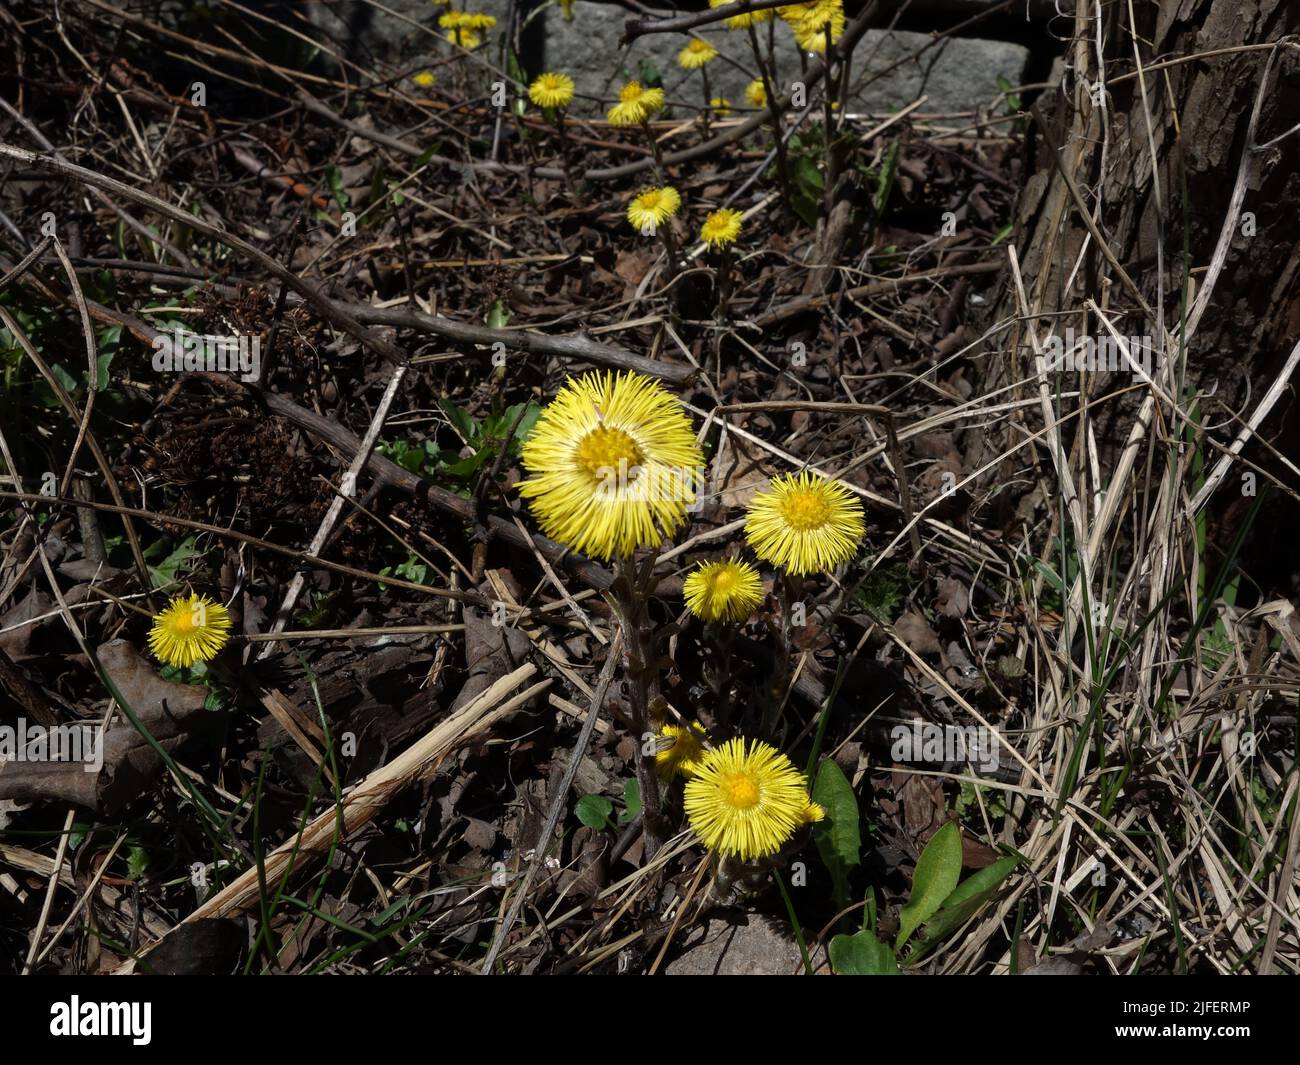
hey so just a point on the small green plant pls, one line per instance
(483, 438)
(596, 811)
(939, 904)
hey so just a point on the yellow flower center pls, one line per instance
(804, 509)
(740, 791)
(183, 623)
(724, 581)
(630, 93)
(605, 452)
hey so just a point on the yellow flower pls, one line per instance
(652, 208)
(614, 464)
(636, 104)
(809, 22)
(721, 106)
(740, 22)
(472, 20)
(188, 630)
(465, 38)
(747, 803)
(681, 755)
(551, 90)
(805, 524)
(465, 28)
(423, 79)
(756, 94)
(696, 54)
(721, 228)
(723, 591)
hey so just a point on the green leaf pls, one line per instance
(885, 179)
(165, 572)
(862, 955)
(335, 178)
(631, 802)
(461, 421)
(937, 873)
(838, 837)
(466, 468)
(137, 862)
(593, 811)
(965, 900)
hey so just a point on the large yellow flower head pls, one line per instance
(696, 54)
(552, 91)
(756, 93)
(680, 750)
(651, 208)
(189, 629)
(614, 464)
(747, 803)
(740, 22)
(721, 228)
(805, 524)
(636, 104)
(723, 591)
(809, 22)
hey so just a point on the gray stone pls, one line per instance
(751, 945)
(958, 74)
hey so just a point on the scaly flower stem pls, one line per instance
(723, 277)
(828, 133)
(660, 173)
(787, 595)
(769, 88)
(575, 186)
(708, 100)
(717, 671)
(665, 232)
(631, 603)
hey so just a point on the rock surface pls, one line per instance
(957, 74)
(750, 945)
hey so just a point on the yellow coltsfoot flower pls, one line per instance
(614, 464)
(189, 629)
(810, 21)
(552, 91)
(423, 79)
(636, 104)
(721, 228)
(683, 751)
(756, 93)
(747, 802)
(652, 208)
(740, 22)
(466, 28)
(805, 524)
(723, 591)
(721, 106)
(696, 54)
